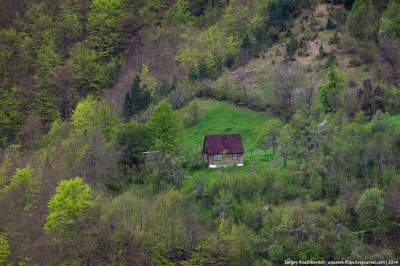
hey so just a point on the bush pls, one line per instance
(277, 254)
(307, 250)
(4, 250)
(192, 114)
(370, 210)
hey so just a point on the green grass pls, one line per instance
(223, 118)
(395, 120)
(258, 163)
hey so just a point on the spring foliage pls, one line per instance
(4, 250)
(69, 201)
(165, 128)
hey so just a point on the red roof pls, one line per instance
(217, 144)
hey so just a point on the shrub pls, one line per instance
(370, 210)
(192, 114)
(308, 250)
(4, 250)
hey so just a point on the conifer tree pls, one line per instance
(137, 98)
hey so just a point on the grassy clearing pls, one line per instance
(223, 118)
(395, 120)
(258, 163)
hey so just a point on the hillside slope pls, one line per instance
(223, 118)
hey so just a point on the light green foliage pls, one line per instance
(208, 50)
(39, 21)
(48, 58)
(151, 10)
(242, 19)
(4, 250)
(179, 13)
(370, 210)
(270, 137)
(331, 91)
(390, 21)
(22, 176)
(241, 242)
(128, 214)
(277, 253)
(192, 114)
(166, 220)
(90, 76)
(84, 115)
(286, 143)
(147, 80)
(71, 26)
(392, 99)
(213, 251)
(165, 128)
(308, 250)
(91, 114)
(217, 46)
(104, 23)
(25, 182)
(68, 203)
(389, 174)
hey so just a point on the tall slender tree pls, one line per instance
(137, 98)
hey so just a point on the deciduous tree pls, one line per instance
(165, 128)
(69, 201)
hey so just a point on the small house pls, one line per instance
(223, 150)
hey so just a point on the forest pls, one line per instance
(104, 105)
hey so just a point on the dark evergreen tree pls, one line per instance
(137, 98)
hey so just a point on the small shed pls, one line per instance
(223, 150)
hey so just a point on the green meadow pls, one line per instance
(224, 118)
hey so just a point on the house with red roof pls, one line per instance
(223, 150)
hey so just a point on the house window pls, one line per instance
(233, 156)
(217, 157)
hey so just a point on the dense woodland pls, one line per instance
(88, 86)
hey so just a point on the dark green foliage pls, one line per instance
(347, 3)
(308, 189)
(308, 250)
(363, 11)
(134, 139)
(331, 91)
(291, 47)
(390, 21)
(370, 210)
(331, 60)
(10, 116)
(137, 99)
(199, 7)
(280, 12)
